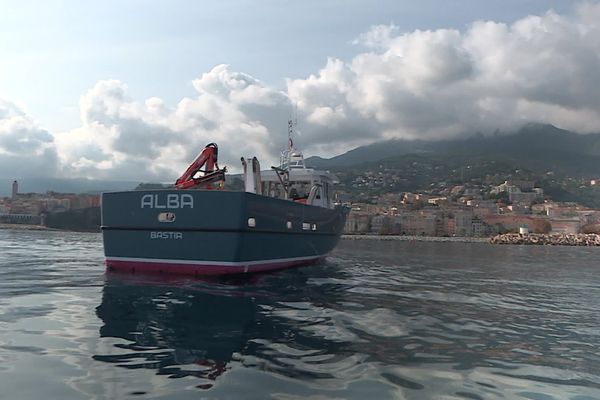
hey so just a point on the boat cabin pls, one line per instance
(290, 181)
(306, 185)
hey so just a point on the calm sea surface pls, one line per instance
(378, 320)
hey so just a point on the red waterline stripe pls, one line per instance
(204, 269)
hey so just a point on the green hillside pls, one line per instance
(560, 162)
(540, 148)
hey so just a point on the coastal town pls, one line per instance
(467, 211)
(33, 208)
(471, 211)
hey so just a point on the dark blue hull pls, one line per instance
(214, 232)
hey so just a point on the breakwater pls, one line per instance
(24, 227)
(413, 238)
(557, 239)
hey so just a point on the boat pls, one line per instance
(285, 217)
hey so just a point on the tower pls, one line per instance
(15, 189)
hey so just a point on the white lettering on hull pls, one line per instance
(169, 201)
(166, 235)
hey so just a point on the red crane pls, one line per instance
(194, 175)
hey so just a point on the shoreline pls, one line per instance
(404, 238)
(505, 239)
(25, 227)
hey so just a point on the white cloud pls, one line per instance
(427, 84)
(125, 139)
(25, 149)
(444, 83)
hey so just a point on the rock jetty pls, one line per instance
(25, 227)
(558, 239)
(412, 238)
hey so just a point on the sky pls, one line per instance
(134, 89)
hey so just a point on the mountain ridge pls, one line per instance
(538, 147)
(533, 143)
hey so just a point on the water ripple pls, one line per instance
(377, 320)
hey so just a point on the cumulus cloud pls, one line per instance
(445, 83)
(426, 84)
(25, 149)
(120, 137)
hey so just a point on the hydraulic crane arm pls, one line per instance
(194, 175)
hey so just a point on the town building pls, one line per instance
(31, 207)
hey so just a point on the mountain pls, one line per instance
(535, 146)
(539, 148)
(372, 152)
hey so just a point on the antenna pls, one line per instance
(291, 158)
(296, 113)
(290, 132)
(292, 122)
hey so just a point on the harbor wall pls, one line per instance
(557, 239)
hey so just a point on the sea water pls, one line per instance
(377, 320)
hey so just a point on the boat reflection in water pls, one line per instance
(169, 325)
(197, 328)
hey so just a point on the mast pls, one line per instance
(290, 133)
(285, 159)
